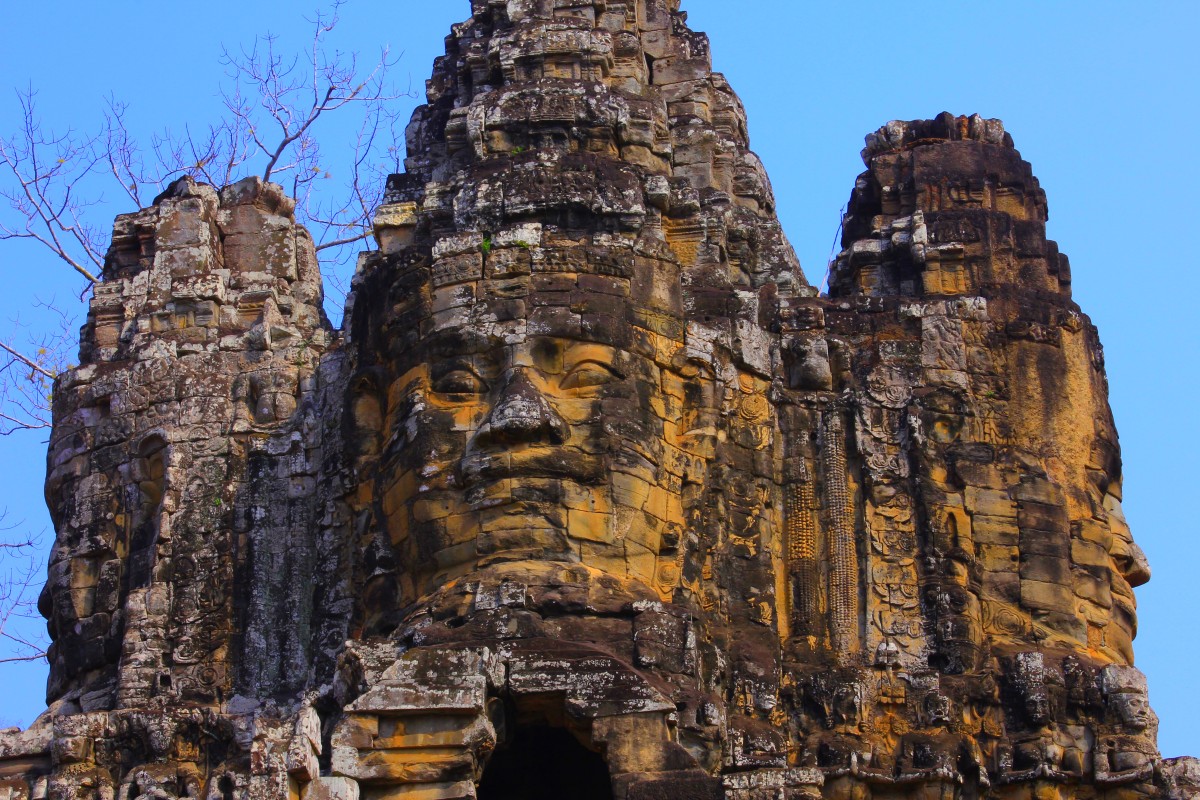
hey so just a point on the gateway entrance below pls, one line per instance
(544, 763)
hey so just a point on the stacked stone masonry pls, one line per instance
(593, 495)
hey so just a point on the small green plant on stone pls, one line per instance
(485, 246)
(302, 354)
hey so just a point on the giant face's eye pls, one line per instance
(589, 375)
(460, 381)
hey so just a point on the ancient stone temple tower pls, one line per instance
(593, 496)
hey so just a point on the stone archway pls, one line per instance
(438, 718)
(540, 762)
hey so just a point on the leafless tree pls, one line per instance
(59, 191)
(27, 378)
(55, 183)
(21, 576)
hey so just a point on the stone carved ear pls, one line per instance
(700, 409)
(380, 594)
(245, 396)
(366, 415)
(152, 470)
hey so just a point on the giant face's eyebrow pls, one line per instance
(579, 351)
(457, 342)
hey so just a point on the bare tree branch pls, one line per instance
(54, 184)
(58, 188)
(21, 570)
(27, 362)
(27, 372)
(45, 169)
(59, 191)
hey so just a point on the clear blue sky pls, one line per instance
(1101, 97)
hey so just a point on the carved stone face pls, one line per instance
(524, 428)
(1029, 673)
(847, 705)
(937, 709)
(1037, 707)
(1133, 709)
(1126, 694)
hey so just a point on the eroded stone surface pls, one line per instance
(590, 457)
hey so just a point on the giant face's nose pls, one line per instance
(521, 415)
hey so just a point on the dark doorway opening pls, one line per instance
(544, 763)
